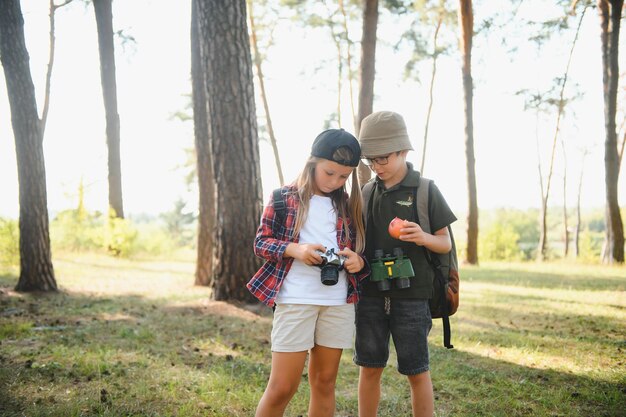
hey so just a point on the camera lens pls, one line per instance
(330, 275)
(402, 283)
(384, 285)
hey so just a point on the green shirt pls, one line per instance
(398, 201)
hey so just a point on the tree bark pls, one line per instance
(36, 270)
(610, 15)
(367, 73)
(466, 22)
(104, 22)
(232, 131)
(206, 182)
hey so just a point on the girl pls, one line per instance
(310, 316)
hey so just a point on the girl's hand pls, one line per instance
(353, 263)
(305, 252)
(412, 232)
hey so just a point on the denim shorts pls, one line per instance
(407, 321)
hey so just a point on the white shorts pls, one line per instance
(299, 327)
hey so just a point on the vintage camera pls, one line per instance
(391, 268)
(330, 266)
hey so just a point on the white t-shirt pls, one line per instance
(303, 284)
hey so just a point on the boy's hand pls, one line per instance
(306, 252)
(412, 232)
(353, 263)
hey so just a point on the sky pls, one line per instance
(153, 78)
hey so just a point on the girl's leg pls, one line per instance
(283, 383)
(369, 391)
(323, 368)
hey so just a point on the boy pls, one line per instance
(401, 313)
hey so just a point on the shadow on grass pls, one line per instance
(72, 354)
(76, 354)
(470, 385)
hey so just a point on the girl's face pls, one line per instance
(329, 176)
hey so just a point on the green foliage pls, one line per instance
(9, 242)
(77, 230)
(83, 231)
(590, 246)
(119, 236)
(500, 242)
(509, 234)
(178, 222)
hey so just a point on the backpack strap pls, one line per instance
(366, 193)
(280, 208)
(422, 212)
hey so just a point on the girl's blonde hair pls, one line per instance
(352, 209)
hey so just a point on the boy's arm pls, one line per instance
(439, 242)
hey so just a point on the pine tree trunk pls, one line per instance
(36, 273)
(610, 15)
(206, 183)
(466, 20)
(367, 73)
(232, 130)
(104, 22)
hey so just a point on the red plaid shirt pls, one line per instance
(271, 242)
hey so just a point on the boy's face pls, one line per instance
(329, 176)
(395, 166)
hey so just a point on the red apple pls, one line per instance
(394, 227)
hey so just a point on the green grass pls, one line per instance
(136, 338)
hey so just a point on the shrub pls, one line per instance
(500, 242)
(590, 246)
(77, 230)
(120, 236)
(9, 242)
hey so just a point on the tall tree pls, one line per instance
(610, 17)
(466, 23)
(367, 73)
(258, 60)
(204, 160)
(36, 270)
(232, 131)
(427, 39)
(104, 22)
(560, 104)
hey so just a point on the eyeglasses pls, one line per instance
(379, 160)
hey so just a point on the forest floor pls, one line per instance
(137, 338)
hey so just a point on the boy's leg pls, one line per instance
(323, 368)
(371, 350)
(422, 400)
(410, 325)
(283, 383)
(369, 391)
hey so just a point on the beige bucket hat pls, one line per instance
(382, 133)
